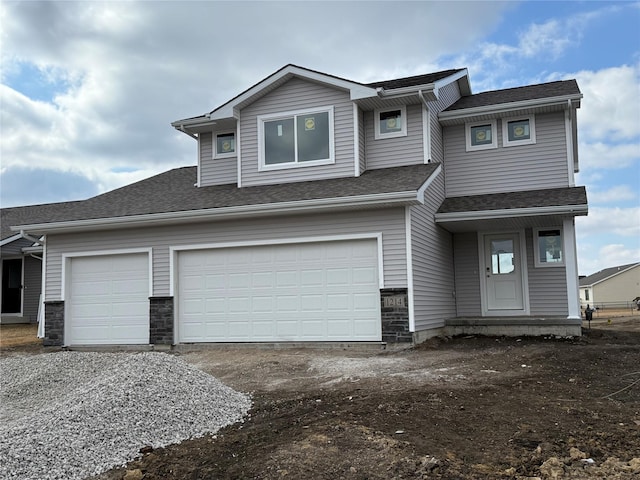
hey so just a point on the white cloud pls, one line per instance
(618, 221)
(610, 109)
(601, 155)
(593, 259)
(549, 38)
(618, 193)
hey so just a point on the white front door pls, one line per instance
(503, 273)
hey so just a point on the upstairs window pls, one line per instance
(519, 131)
(481, 135)
(548, 249)
(225, 145)
(296, 139)
(391, 122)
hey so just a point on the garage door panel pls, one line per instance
(311, 292)
(108, 300)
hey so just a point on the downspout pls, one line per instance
(426, 128)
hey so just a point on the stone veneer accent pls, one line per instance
(394, 308)
(161, 320)
(53, 324)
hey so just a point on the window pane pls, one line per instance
(313, 137)
(226, 143)
(481, 135)
(550, 246)
(279, 142)
(519, 130)
(502, 257)
(391, 122)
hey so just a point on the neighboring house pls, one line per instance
(21, 262)
(327, 210)
(611, 287)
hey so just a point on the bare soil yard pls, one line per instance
(461, 408)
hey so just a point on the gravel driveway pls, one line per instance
(68, 415)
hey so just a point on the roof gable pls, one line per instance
(358, 92)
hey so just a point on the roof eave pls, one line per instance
(242, 211)
(464, 113)
(573, 210)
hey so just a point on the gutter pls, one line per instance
(223, 213)
(465, 113)
(574, 210)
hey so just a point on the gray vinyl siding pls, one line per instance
(516, 168)
(32, 287)
(390, 222)
(468, 295)
(399, 151)
(432, 261)
(448, 94)
(219, 171)
(295, 95)
(547, 285)
(362, 142)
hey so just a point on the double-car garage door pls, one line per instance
(317, 291)
(322, 291)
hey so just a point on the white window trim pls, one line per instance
(261, 119)
(513, 143)
(494, 135)
(376, 122)
(215, 145)
(536, 249)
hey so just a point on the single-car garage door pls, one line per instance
(324, 291)
(108, 300)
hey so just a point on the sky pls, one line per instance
(88, 89)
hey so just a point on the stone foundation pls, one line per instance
(161, 320)
(394, 308)
(53, 324)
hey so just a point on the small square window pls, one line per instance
(520, 131)
(225, 145)
(391, 122)
(548, 251)
(481, 136)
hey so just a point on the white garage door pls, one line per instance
(325, 291)
(108, 301)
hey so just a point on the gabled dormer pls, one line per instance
(300, 124)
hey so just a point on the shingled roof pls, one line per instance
(31, 214)
(550, 197)
(604, 274)
(415, 80)
(174, 191)
(518, 94)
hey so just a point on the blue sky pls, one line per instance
(89, 89)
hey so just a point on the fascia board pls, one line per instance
(452, 78)
(429, 91)
(10, 239)
(574, 210)
(362, 201)
(506, 107)
(428, 182)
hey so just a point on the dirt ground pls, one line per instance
(454, 408)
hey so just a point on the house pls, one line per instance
(327, 210)
(614, 287)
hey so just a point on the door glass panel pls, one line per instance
(502, 257)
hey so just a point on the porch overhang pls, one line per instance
(536, 208)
